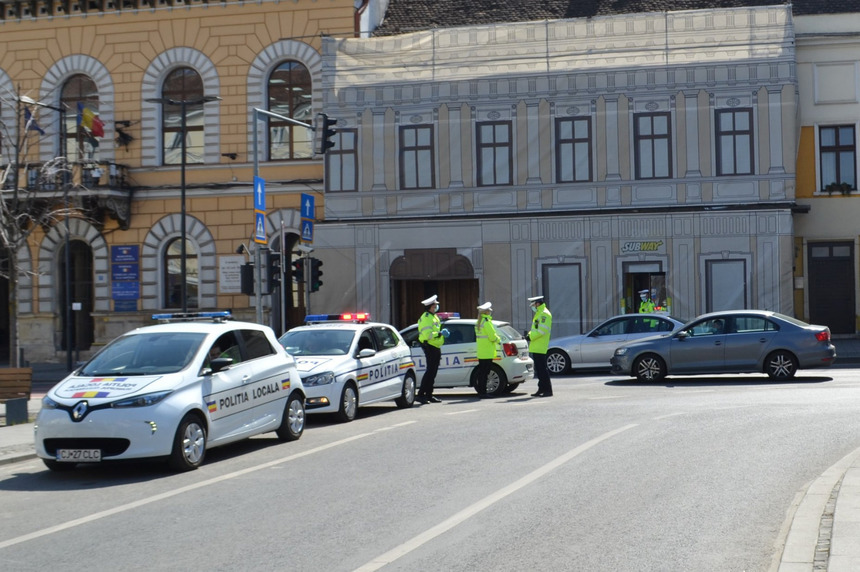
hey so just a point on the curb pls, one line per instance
(16, 458)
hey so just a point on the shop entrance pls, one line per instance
(831, 286)
(648, 280)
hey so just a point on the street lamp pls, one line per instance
(183, 104)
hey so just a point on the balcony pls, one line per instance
(99, 189)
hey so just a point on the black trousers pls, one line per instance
(544, 384)
(482, 370)
(433, 356)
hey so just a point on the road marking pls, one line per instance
(459, 412)
(661, 417)
(486, 502)
(395, 426)
(606, 397)
(175, 492)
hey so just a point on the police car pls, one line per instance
(346, 361)
(172, 390)
(511, 367)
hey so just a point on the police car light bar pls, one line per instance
(191, 316)
(447, 315)
(359, 317)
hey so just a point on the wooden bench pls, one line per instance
(16, 384)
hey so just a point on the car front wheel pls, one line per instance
(189, 444)
(293, 422)
(497, 382)
(407, 396)
(781, 365)
(649, 367)
(557, 362)
(348, 403)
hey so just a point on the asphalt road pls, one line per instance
(698, 473)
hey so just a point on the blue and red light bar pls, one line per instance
(357, 317)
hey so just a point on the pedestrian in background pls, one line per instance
(488, 342)
(539, 344)
(431, 339)
(646, 305)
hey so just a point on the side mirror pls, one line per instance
(365, 353)
(220, 364)
(682, 335)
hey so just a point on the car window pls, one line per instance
(317, 342)
(748, 324)
(714, 326)
(365, 341)
(410, 336)
(226, 346)
(145, 354)
(460, 333)
(256, 344)
(386, 337)
(613, 328)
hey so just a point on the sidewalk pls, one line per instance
(824, 535)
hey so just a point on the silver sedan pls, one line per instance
(593, 349)
(741, 341)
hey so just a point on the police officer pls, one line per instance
(646, 304)
(431, 339)
(539, 344)
(488, 341)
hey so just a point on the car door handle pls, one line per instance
(718, 343)
(245, 378)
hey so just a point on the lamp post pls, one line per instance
(183, 104)
(68, 246)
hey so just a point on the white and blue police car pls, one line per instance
(347, 361)
(172, 390)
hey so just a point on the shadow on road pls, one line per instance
(702, 381)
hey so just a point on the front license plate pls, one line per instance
(79, 455)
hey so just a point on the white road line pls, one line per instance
(173, 493)
(459, 412)
(605, 397)
(486, 502)
(661, 417)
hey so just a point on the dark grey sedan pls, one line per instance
(740, 341)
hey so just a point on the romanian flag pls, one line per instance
(213, 406)
(285, 383)
(90, 121)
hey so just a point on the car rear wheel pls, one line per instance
(781, 365)
(497, 382)
(649, 367)
(189, 444)
(293, 422)
(348, 403)
(511, 387)
(407, 396)
(557, 362)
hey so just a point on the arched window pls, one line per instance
(182, 84)
(83, 128)
(290, 95)
(173, 275)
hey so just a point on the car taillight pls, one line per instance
(823, 336)
(510, 349)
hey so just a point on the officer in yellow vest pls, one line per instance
(488, 343)
(430, 336)
(646, 304)
(539, 344)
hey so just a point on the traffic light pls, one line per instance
(273, 269)
(299, 270)
(246, 275)
(324, 132)
(315, 274)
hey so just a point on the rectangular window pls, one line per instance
(726, 285)
(838, 155)
(495, 154)
(573, 150)
(417, 159)
(734, 142)
(653, 141)
(342, 162)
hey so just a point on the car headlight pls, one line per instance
(323, 378)
(48, 403)
(141, 400)
(620, 351)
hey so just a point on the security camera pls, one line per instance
(304, 249)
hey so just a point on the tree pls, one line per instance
(32, 195)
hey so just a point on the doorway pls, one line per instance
(831, 286)
(646, 279)
(81, 295)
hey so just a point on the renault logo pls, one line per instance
(79, 410)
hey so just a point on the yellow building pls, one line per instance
(111, 85)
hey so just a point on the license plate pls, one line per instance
(79, 455)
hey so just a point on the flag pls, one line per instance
(98, 127)
(31, 122)
(90, 121)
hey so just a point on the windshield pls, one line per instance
(145, 354)
(317, 342)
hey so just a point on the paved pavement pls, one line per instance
(824, 535)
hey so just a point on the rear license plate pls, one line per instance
(79, 455)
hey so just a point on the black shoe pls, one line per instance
(537, 394)
(432, 399)
(422, 399)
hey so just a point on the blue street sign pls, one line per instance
(125, 290)
(307, 230)
(308, 206)
(259, 194)
(259, 227)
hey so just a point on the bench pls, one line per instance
(15, 386)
